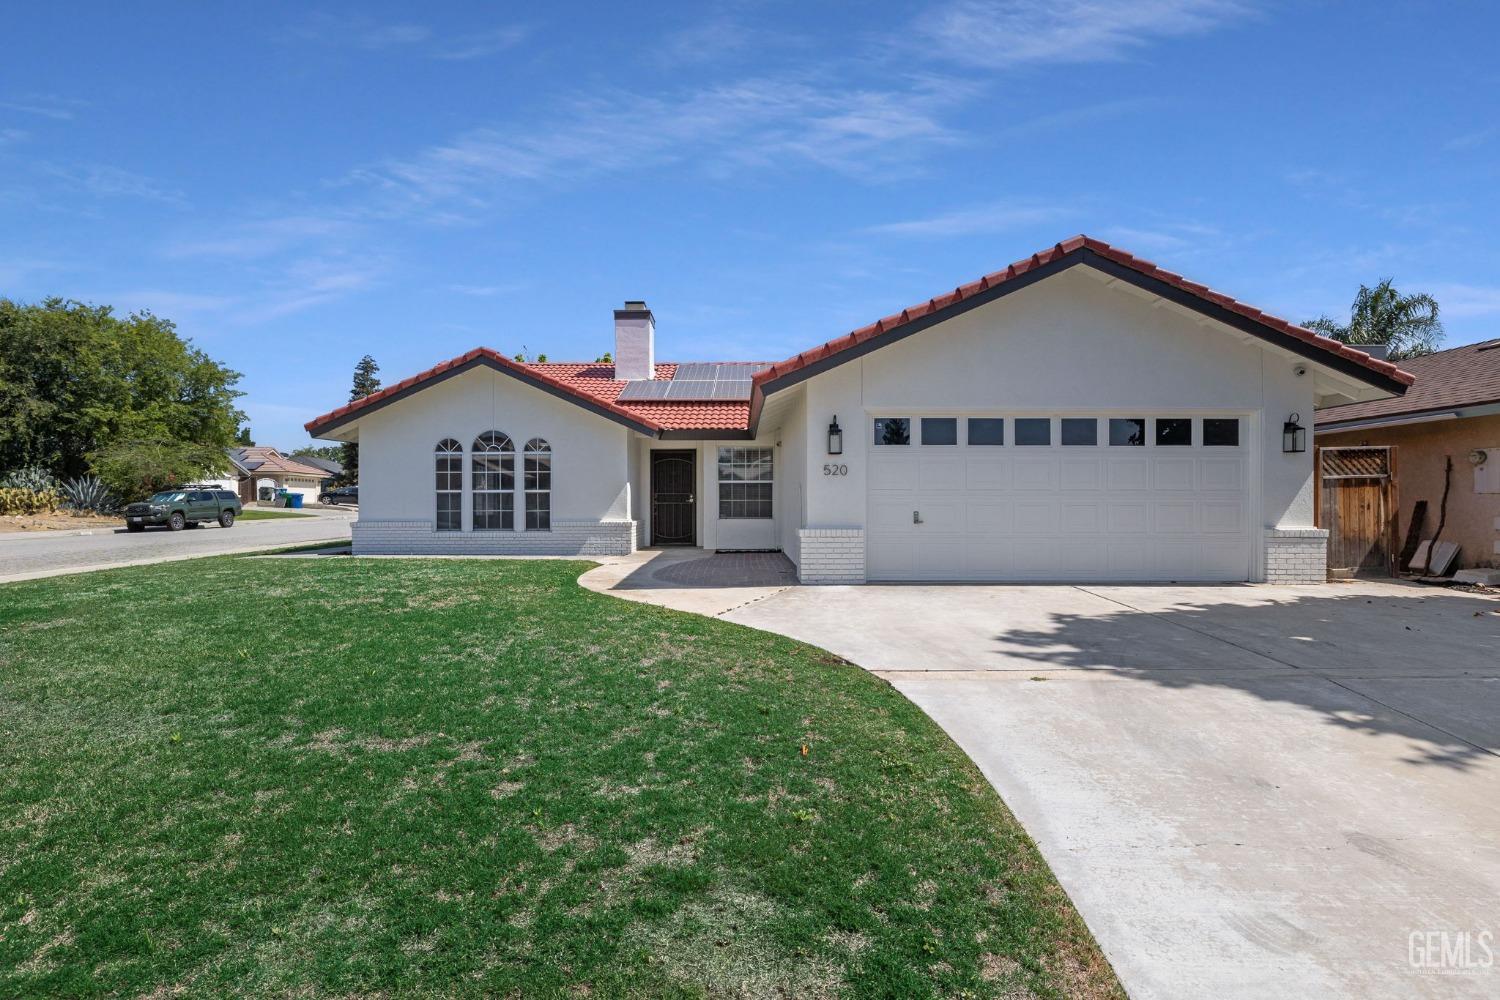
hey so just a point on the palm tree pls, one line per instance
(1407, 324)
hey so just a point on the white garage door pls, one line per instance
(1059, 498)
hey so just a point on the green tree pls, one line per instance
(136, 469)
(243, 438)
(332, 452)
(1407, 324)
(76, 380)
(366, 383)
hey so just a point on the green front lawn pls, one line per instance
(320, 777)
(262, 514)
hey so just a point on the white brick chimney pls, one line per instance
(635, 342)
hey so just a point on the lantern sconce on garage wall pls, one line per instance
(835, 438)
(1293, 436)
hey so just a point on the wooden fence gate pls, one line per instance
(1357, 503)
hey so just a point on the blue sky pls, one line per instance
(296, 185)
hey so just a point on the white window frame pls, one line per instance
(497, 446)
(748, 460)
(538, 499)
(448, 461)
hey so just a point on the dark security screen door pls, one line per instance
(673, 515)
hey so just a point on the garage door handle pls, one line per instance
(916, 517)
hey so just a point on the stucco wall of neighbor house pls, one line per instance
(1068, 345)
(590, 473)
(1473, 518)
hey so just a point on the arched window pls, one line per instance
(493, 461)
(449, 460)
(538, 485)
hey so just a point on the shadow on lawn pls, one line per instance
(1424, 665)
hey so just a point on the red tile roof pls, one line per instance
(1458, 377)
(1048, 256)
(597, 379)
(587, 382)
(594, 383)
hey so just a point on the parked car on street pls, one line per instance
(344, 494)
(184, 507)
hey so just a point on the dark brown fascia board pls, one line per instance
(1083, 255)
(486, 362)
(721, 434)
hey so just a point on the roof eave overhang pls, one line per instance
(483, 361)
(708, 434)
(1348, 367)
(1463, 411)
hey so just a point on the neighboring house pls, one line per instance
(1451, 411)
(232, 477)
(332, 470)
(268, 469)
(1081, 415)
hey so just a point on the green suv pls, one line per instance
(183, 507)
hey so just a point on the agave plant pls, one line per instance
(87, 493)
(33, 477)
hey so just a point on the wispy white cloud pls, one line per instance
(52, 106)
(770, 122)
(710, 41)
(308, 283)
(1461, 301)
(170, 304)
(1471, 140)
(1007, 33)
(385, 36)
(995, 217)
(263, 237)
(11, 136)
(1171, 237)
(485, 291)
(364, 33)
(104, 180)
(479, 44)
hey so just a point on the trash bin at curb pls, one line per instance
(294, 500)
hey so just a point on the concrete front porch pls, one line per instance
(693, 579)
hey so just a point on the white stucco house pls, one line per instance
(1081, 415)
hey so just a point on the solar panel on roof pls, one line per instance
(697, 380)
(644, 389)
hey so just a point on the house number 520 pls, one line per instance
(835, 470)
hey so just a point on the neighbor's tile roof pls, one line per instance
(1056, 252)
(260, 459)
(1460, 376)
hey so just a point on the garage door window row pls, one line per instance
(1072, 432)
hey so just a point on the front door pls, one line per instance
(674, 516)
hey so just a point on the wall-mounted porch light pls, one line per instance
(835, 438)
(1293, 436)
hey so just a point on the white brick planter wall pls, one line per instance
(567, 538)
(1296, 555)
(832, 555)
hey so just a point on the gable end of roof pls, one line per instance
(1080, 250)
(480, 357)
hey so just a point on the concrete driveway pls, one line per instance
(1248, 791)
